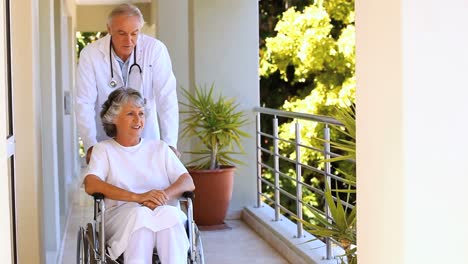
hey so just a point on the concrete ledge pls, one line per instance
(281, 235)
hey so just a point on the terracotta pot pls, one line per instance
(213, 192)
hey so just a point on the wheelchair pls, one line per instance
(91, 245)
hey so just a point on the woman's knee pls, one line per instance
(140, 246)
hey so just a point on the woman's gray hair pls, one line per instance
(113, 105)
(125, 10)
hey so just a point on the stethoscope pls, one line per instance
(113, 83)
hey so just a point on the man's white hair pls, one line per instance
(125, 10)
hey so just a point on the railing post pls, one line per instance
(298, 180)
(276, 166)
(259, 160)
(327, 181)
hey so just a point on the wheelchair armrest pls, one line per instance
(98, 196)
(190, 195)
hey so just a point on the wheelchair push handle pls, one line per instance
(98, 196)
(190, 195)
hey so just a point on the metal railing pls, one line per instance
(268, 147)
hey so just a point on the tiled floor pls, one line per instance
(236, 245)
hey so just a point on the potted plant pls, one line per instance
(216, 122)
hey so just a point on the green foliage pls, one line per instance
(216, 123)
(341, 227)
(305, 42)
(314, 50)
(310, 66)
(270, 12)
(84, 38)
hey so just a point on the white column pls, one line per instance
(177, 35)
(226, 54)
(412, 112)
(27, 116)
(5, 191)
(49, 117)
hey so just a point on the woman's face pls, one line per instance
(130, 121)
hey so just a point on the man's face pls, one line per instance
(124, 31)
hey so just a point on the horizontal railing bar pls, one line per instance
(332, 154)
(317, 118)
(290, 142)
(308, 186)
(313, 189)
(314, 209)
(280, 189)
(288, 194)
(321, 192)
(341, 179)
(286, 210)
(268, 198)
(281, 206)
(306, 166)
(265, 134)
(280, 173)
(294, 162)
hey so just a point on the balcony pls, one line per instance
(263, 233)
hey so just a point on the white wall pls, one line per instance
(92, 18)
(412, 160)
(435, 66)
(226, 53)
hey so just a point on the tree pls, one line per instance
(84, 38)
(309, 63)
(314, 51)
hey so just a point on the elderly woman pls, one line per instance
(141, 180)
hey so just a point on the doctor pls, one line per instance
(126, 58)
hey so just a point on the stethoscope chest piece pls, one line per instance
(112, 83)
(135, 65)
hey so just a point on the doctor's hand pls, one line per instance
(178, 154)
(88, 154)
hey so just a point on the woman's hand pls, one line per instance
(153, 198)
(150, 205)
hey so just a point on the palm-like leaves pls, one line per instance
(216, 123)
(346, 115)
(341, 227)
(342, 224)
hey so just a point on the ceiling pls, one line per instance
(109, 2)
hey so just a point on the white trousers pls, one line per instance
(171, 243)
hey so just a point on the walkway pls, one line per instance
(237, 245)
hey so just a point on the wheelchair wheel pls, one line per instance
(82, 253)
(199, 257)
(90, 245)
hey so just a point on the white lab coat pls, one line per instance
(158, 88)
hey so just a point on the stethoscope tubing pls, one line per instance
(113, 83)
